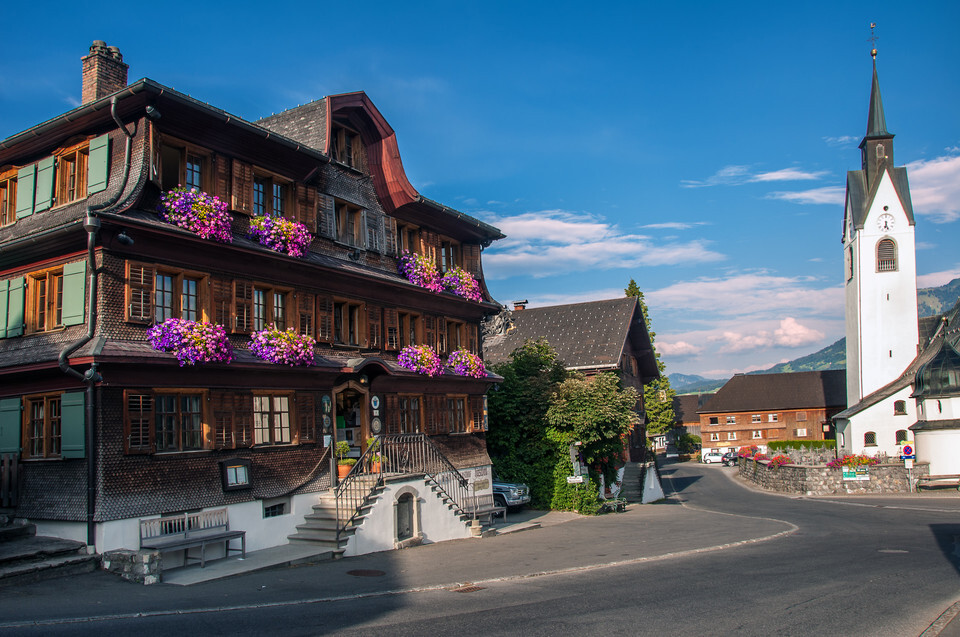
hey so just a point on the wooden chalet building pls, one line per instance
(106, 431)
(753, 409)
(590, 338)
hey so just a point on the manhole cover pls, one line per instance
(467, 589)
(366, 572)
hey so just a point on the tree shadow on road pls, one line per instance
(947, 537)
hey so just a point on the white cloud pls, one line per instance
(551, 242)
(843, 140)
(788, 174)
(832, 195)
(678, 349)
(739, 175)
(936, 279)
(793, 334)
(935, 188)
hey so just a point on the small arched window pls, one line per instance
(870, 439)
(886, 256)
(901, 436)
(899, 408)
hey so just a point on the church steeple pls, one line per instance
(877, 146)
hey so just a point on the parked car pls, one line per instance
(510, 494)
(711, 456)
(730, 459)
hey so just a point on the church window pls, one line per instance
(886, 256)
(870, 439)
(901, 436)
(899, 408)
(849, 262)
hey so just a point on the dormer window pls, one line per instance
(349, 224)
(449, 255)
(346, 147)
(408, 238)
(182, 166)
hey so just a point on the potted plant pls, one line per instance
(373, 445)
(344, 464)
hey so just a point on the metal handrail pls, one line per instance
(400, 455)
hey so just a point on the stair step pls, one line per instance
(59, 566)
(14, 531)
(37, 547)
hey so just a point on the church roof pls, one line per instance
(592, 335)
(794, 390)
(860, 197)
(876, 122)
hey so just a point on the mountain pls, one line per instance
(930, 302)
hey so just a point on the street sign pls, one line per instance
(574, 479)
(907, 450)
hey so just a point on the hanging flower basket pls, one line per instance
(461, 283)
(282, 347)
(421, 359)
(420, 270)
(465, 363)
(191, 341)
(281, 235)
(202, 214)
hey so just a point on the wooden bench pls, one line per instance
(484, 506)
(190, 530)
(945, 480)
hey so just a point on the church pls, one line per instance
(902, 371)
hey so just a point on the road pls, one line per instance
(718, 558)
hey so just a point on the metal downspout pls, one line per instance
(91, 377)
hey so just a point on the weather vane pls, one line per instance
(873, 40)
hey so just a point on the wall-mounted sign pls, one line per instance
(856, 473)
(327, 423)
(376, 426)
(326, 404)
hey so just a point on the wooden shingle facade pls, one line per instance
(105, 428)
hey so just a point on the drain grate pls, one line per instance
(468, 588)
(366, 572)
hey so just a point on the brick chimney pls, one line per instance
(520, 305)
(103, 72)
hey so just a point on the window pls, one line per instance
(8, 198)
(755, 418)
(449, 255)
(179, 422)
(456, 414)
(407, 331)
(346, 146)
(886, 256)
(271, 196)
(71, 170)
(55, 297)
(456, 337)
(410, 416)
(269, 307)
(731, 435)
(408, 238)
(773, 417)
(271, 420)
(155, 294)
(714, 420)
(870, 439)
(901, 436)
(42, 427)
(801, 416)
(349, 224)
(276, 507)
(731, 420)
(756, 434)
(346, 323)
(899, 408)
(773, 433)
(714, 437)
(183, 166)
(801, 433)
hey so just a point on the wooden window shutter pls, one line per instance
(10, 425)
(140, 280)
(392, 415)
(472, 339)
(26, 182)
(374, 223)
(390, 235)
(306, 416)
(138, 419)
(327, 217)
(74, 292)
(431, 245)
(306, 309)
(72, 437)
(374, 324)
(324, 319)
(307, 206)
(471, 259)
(242, 192)
(436, 412)
(222, 176)
(221, 293)
(243, 306)
(478, 419)
(222, 404)
(45, 174)
(442, 343)
(357, 154)
(430, 330)
(98, 164)
(12, 296)
(391, 326)
(242, 420)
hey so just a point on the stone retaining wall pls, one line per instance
(822, 480)
(142, 567)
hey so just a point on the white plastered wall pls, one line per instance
(881, 420)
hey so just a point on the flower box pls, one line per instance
(202, 214)
(421, 359)
(465, 363)
(281, 235)
(191, 341)
(282, 347)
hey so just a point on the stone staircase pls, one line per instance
(319, 528)
(26, 557)
(632, 490)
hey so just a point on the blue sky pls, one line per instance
(698, 148)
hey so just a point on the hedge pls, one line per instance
(781, 445)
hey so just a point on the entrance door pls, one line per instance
(350, 416)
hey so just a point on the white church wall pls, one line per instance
(941, 448)
(882, 420)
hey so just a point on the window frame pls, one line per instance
(888, 262)
(870, 439)
(408, 238)
(451, 255)
(271, 294)
(356, 314)
(756, 434)
(715, 436)
(205, 424)
(292, 437)
(269, 206)
(409, 328)
(456, 419)
(756, 419)
(801, 432)
(899, 408)
(69, 188)
(51, 314)
(407, 411)
(8, 197)
(731, 435)
(166, 146)
(51, 447)
(346, 213)
(731, 420)
(773, 417)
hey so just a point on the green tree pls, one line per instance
(598, 413)
(517, 411)
(657, 395)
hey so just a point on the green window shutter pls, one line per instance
(15, 298)
(26, 179)
(4, 293)
(71, 421)
(98, 164)
(44, 184)
(74, 279)
(10, 425)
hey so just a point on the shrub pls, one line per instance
(853, 461)
(783, 445)
(582, 498)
